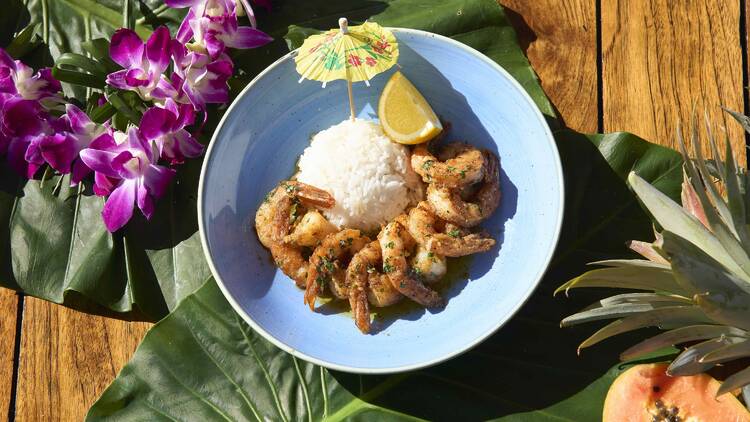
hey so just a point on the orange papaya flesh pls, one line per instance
(645, 393)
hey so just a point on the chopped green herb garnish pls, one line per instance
(463, 174)
(430, 254)
(451, 169)
(387, 268)
(454, 233)
(389, 245)
(427, 164)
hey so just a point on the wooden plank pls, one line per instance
(8, 312)
(68, 358)
(660, 57)
(561, 39)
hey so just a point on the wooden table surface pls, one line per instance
(607, 65)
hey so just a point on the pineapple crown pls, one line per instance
(694, 280)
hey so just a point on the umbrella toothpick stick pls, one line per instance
(344, 28)
(351, 99)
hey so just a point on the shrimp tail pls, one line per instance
(311, 293)
(311, 196)
(360, 307)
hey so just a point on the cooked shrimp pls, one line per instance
(327, 263)
(462, 165)
(275, 217)
(453, 241)
(381, 292)
(367, 285)
(394, 239)
(311, 230)
(448, 204)
(357, 276)
(428, 266)
(290, 260)
(280, 209)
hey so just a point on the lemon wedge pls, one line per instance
(405, 115)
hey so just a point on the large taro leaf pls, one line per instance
(202, 362)
(529, 370)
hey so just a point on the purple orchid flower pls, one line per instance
(166, 127)
(23, 125)
(18, 79)
(127, 170)
(201, 79)
(74, 132)
(213, 25)
(144, 64)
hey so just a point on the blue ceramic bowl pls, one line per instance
(267, 128)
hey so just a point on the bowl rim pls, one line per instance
(459, 350)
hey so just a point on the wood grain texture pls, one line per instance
(661, 57)
(561, 39)
(68, 358)
(8, 311)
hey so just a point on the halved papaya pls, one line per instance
(645, 393)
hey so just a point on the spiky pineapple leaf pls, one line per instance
(735, 381)
(689, 361)
(667, 317)
(641, 298)
(733, 351)
(697, 271)
(679, 336)
(715, 208)
(673, 217)
(615, 311)
(726, 308)
(638, 275)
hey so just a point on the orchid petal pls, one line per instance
(247, 37)
(104, 185)
(52, 85)
(136, 77)
(58, 151)
(22, 117)
(136, 142)
(185, 32)
(6, 60)
(119, 206)
(100, 161)
(117, 79)
(17, 157)
(77, 118)
(126, 48)
(164, 88)
(145, 201)
(214, 45)
(179, 4)
(157, 179)
(156, 122)
(157, 49)
(78, 171)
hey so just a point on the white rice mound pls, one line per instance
(369, 176)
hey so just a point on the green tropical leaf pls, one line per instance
(215, 367)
